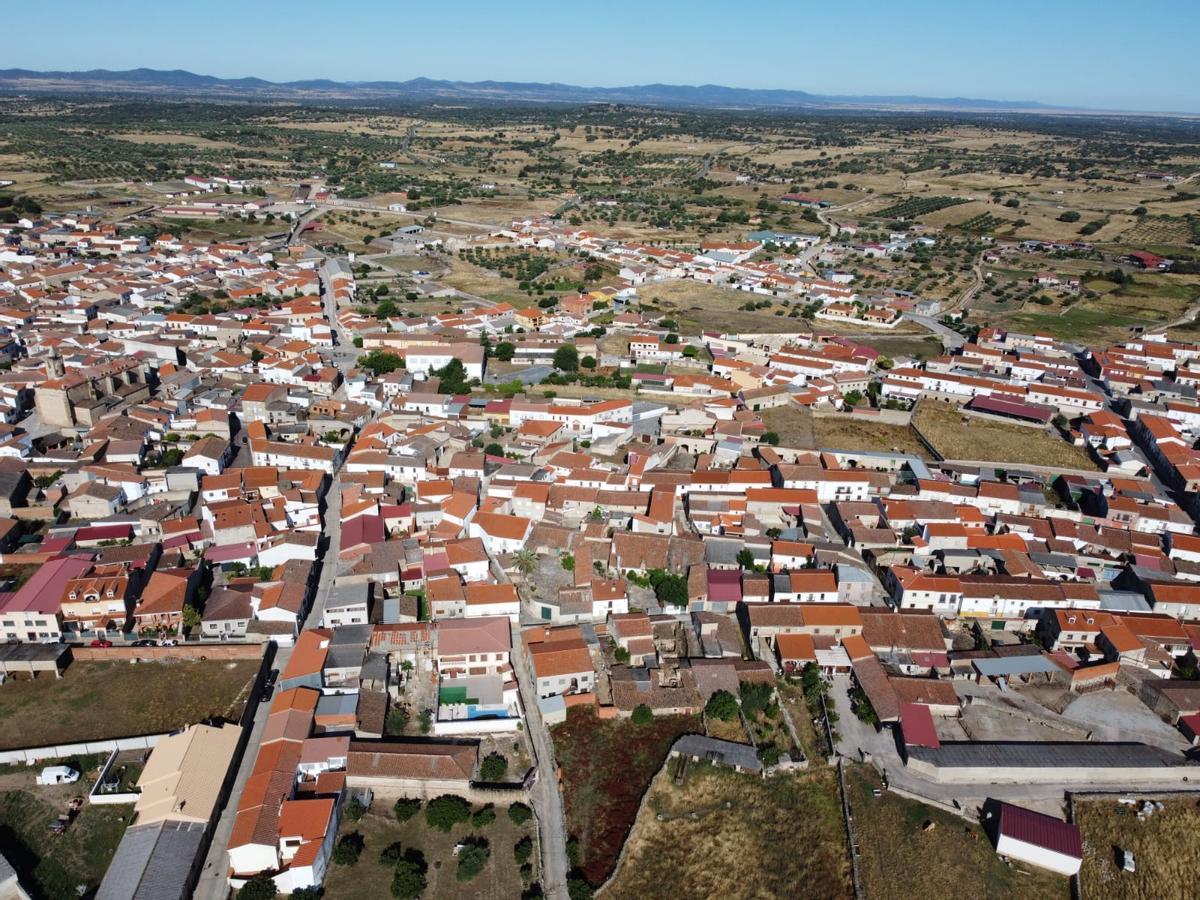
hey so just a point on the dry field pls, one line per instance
(942, 424)
(699, 307)
(900, 860)
(166, 137)
(722, 834)
(99, 700)
(1166, 849)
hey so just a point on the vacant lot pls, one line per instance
(1165, 846)
(53, 866)
(981, 439)
(371, 879)
(700, 307)
(606, 767)
(722, 834)
(95, 701)
(899, 857)
(846, 433)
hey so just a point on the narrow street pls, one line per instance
(545, 796)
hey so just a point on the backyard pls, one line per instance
(606, 767)
(907, 849)
(724, 834)
(1165, 845)
(986, 440)
(371, 877)
(99, 700)
(52, 866)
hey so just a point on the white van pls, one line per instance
(57, 775)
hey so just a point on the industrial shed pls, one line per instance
(1035, 838)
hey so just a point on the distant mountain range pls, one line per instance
(179, 84)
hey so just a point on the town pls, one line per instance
(358, 547)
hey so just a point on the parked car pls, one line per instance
(57, 775)
(145, 642)
(100, 642)
(168, 642)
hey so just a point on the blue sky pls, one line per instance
(1097, 53)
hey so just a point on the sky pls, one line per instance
(1102, 54)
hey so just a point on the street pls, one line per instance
(545, 796)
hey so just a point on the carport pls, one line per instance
(34, 658)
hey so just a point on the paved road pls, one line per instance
(546, 799)
(951, 339)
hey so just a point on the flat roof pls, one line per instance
(1046, 755)
(1001, 666)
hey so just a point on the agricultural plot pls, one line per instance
(988, 441)
(914, 207)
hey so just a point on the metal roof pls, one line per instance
(1040, 830)
(1045, 755)
(1002, 667)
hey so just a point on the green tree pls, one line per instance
(347, 850)
(381, 362)
(722, 705)
(642, 714)
(406, 808)
(493, 449)
(446, 811)
(385, 310)
(472, 858)
(745, 559)
(579, 889)
(523, 850)
(520, 813)
(566, 358)
(621, 655)
(191, 617)
(567, 561)
(409, 880)
(505, 351)
(259, 887)
(353, 810)
(452, 378)
(755, 697)
(770, 437)
(484, 816)
(526, 561)
(493, 768)
(588, 362)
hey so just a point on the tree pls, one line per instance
(1069, 216)
(588, 362)
(256, 356)
(406, 808)
(770, 437)
(566, 358)
(670, 589)
(520, 813)
(409, 882)
(385, 310)
(567, 562)
(642, 714)
(593, 272)
(494, 449)
(505, 351)
(353, 810)
(493, 768)
(621, 655)
(446, 811)
(523, 850)
(452, 378)
(745, 559)
(756, 696)
(347, 851)
(722, 705)
(381, 362)
(484, 816)
(472, 858)
(260, 887)
(526, 560)
(578, 888)
(191, 617)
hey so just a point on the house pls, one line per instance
(226, 615)
(160, 607)
(492, 600)
(347, 604)
(561, 661)
(210, 455)
(1035, 838)
(476, 646)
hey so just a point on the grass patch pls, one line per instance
(101, 700)
(750, 837)
(899, 859)
(846, 433)
(1166, 847)
(995, 441)
(371, 879)
(52, 866)
(606, 767)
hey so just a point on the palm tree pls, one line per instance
(526, 561)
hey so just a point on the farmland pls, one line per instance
(606, 767)
(1165, 846)
(99, 700)
(914, 207)
(898, 839)
(738, 820)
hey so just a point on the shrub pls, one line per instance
(523, 850)
(409, 881)
(721, 705)
(405, 809)
(260, 887)
(642, 715)
(353, 810)
(446, 811)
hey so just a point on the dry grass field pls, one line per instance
(900, 859)
(722, 834)
(1166, 848)
(984, 440)
(99, 700)
(697, 307)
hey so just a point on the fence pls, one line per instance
(182, 651)
(96, 795)
(31, 755)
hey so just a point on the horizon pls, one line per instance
(1023, 52)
